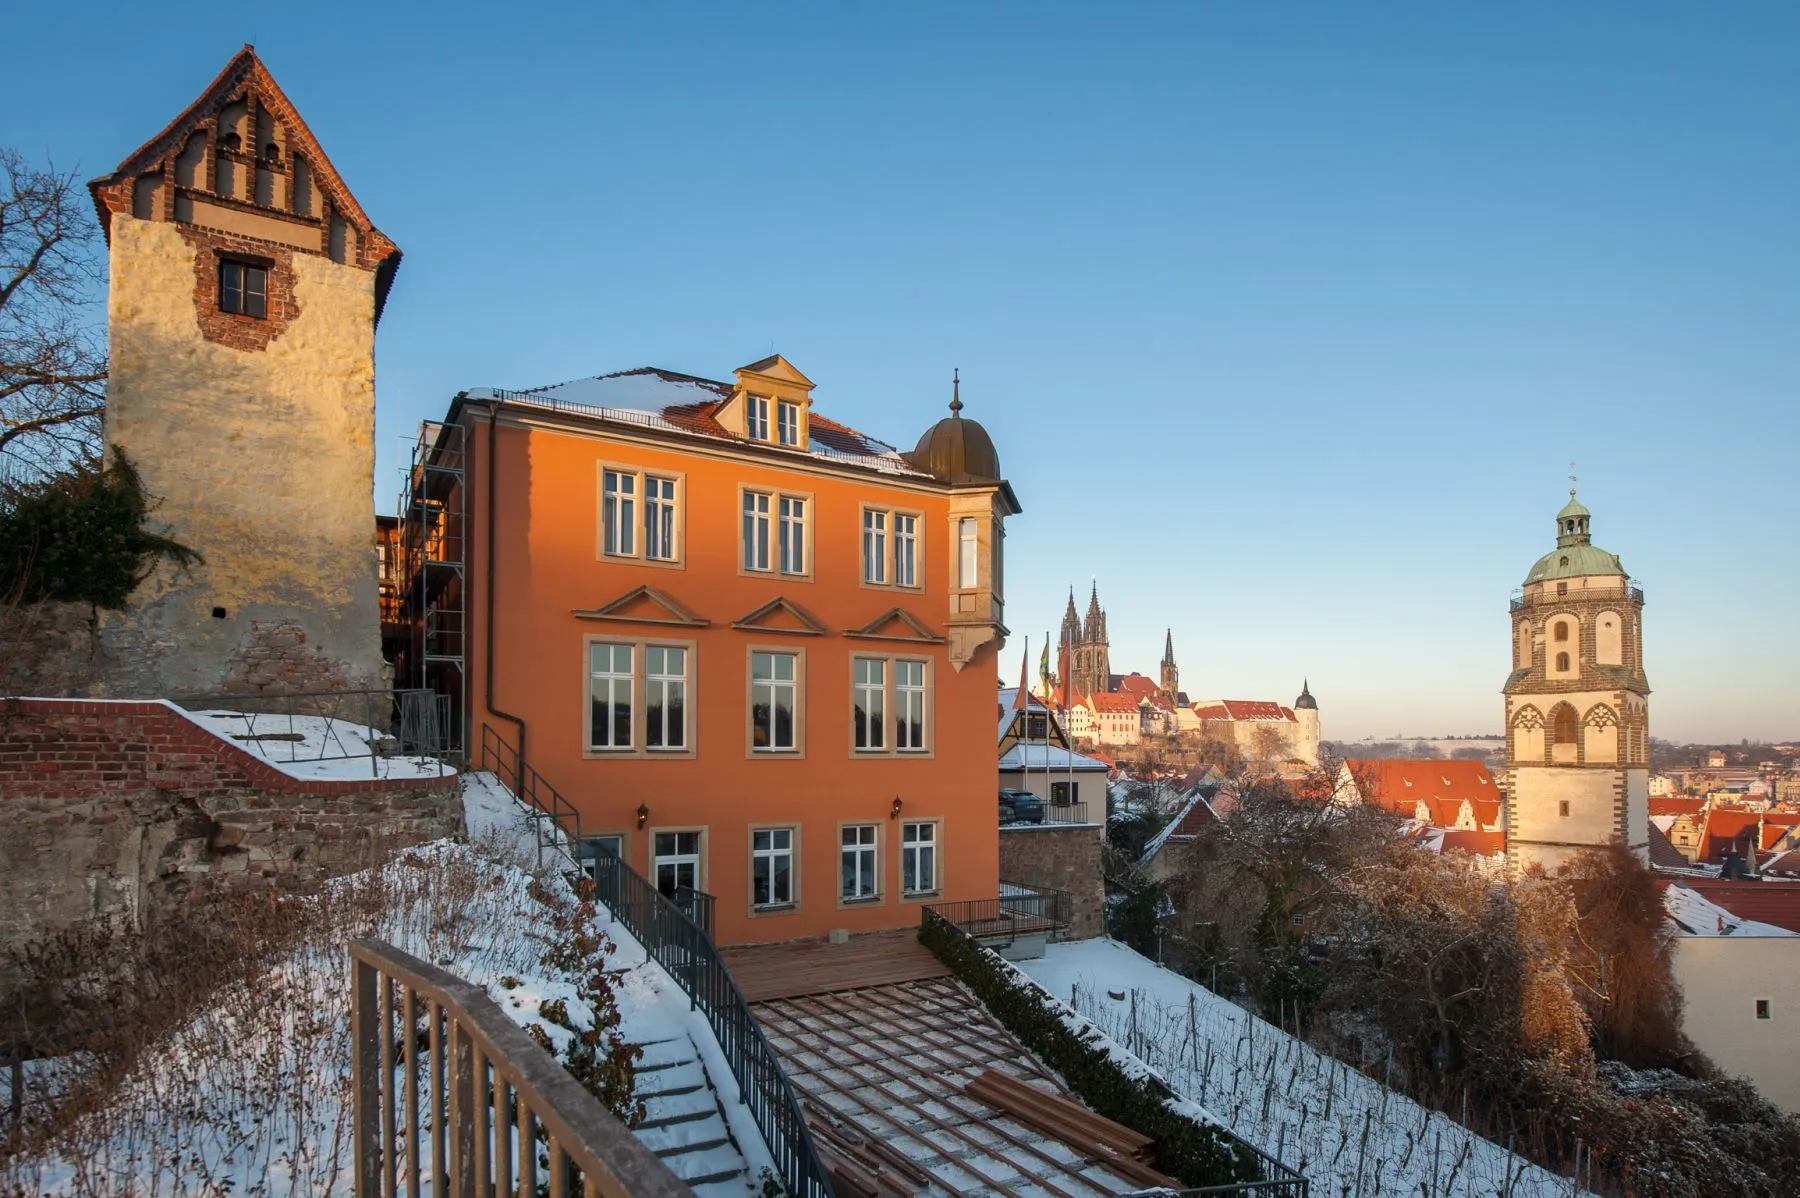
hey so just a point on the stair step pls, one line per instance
(670, 1120)
(662, 1054)
(709, 1179)
(679, 1150)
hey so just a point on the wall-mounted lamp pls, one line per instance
(895, 813)
(643, 814)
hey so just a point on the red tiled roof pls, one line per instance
(1676, 805)
(1481, 844)
(1764, 902)
(1137, 684)
(1397, 784)
(1218, 711)
(1116, 703)
(1257, 709)
(1784, 819)
(1440, 813)
(1487, 811)
(1725, 828)
(1787, 863)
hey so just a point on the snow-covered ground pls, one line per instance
(314, 747)
(1345, 1131)
(252, 1097)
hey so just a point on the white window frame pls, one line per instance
(875, 546)
(662, 517)
(922, 850)
(771, 855)
(869, 696)
(697, 858)
(756, 417)
(758, 530)
(968, 553)
(867, 851)
(774, 687)
(906, 549)
(660, 684)
(787, 422)
(618, 512)
(908, 695)
(612, 678)
(793, 532)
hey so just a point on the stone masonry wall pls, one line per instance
(1064, 857)
(119, 808)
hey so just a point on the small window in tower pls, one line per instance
(1562, 662)
(1763, 1006)
(244, 289)
(1562, 808)
(1562, 631)
(1563, 560)
(1562, 588)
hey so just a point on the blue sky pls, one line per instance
(1287, 319)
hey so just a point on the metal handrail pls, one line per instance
(500, 758)
(488, 1091)
(672, 938)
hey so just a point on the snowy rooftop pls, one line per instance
(1040, 756)
(1696, 915)
(650, 397)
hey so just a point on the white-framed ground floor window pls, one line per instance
(612, 842)
(858, 858)
(918, 858)
(675, 861)
(771, 868)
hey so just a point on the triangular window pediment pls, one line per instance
(644, 605)
(781, 615)
(896, 624)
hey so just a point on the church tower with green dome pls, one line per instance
(1577, 704)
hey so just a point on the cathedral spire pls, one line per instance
(1168, 647)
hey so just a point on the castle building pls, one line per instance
(752, 648)
(1577, 704)
(246, 284)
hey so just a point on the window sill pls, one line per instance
(922, 896)
(756, 751)
(867, 900)
(775, 909)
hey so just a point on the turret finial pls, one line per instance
(1572, 480)
(956, 392)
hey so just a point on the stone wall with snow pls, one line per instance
(111, 808)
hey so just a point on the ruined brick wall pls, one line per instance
(50, 649)
(116, 808)
(1064, 857)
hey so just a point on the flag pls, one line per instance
(1044, 669)
(1023, 701)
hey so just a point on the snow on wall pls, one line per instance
(1344, 1130)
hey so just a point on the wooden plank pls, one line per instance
(771, 971)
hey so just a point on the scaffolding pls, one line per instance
(434, 574)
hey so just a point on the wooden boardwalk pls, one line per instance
(798, 968)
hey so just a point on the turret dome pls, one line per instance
(1306, 702)
(1575, 554)
(956, 450)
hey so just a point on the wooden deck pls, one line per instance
(801, 967)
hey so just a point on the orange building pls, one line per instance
(753, 648)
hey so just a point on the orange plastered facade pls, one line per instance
(557, 593)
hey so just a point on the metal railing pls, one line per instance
(306, 726)
(1053, 813)
(997, 922)
(555, 821)
(679, 944)
(1631, 591)
(450, 1092)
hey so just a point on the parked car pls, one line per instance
(1021, 807)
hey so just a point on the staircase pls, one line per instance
(684, 1123)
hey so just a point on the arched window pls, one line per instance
(1566, 725)
(1562, 663)
(1562, 631)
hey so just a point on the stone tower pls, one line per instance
(246, 283)
(1171, 677)
(1306, 714)
(1577, 705)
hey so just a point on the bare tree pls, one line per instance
(52, 353)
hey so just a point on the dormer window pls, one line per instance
(787, 422)
(756, 417)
